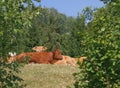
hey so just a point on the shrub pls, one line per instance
(102, 66)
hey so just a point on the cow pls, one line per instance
(70, 60)
(67, 60)
(39, 48)
(38, 57)
(59, 62)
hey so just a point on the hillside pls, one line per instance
(48, 76)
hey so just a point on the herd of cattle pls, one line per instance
(43, 57)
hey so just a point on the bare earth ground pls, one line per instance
(48, 76)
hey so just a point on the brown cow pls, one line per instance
(39, 57)
(39, 48)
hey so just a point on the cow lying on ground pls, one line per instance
(39, 57)
(67, 60)
(39, 48)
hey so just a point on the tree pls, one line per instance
(101, 69)
(15, 19)
(77, 33)
(108, 1)
(47, 29)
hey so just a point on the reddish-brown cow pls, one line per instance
(39, 57)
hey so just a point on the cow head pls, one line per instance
(57, 55)
(39, 48)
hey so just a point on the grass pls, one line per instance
(48, 76)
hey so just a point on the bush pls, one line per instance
(9, 75)
(102, 67)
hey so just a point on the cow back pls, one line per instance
(41, 57)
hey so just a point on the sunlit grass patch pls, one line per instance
(48, 76)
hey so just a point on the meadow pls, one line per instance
(48, 76)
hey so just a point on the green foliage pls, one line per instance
(8, 77)
(53, 29)
(48, 28)
(101, 69)
(108, 1)
(15, 19)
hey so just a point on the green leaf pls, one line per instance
(103, 29)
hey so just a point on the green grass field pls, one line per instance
(48, 76)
